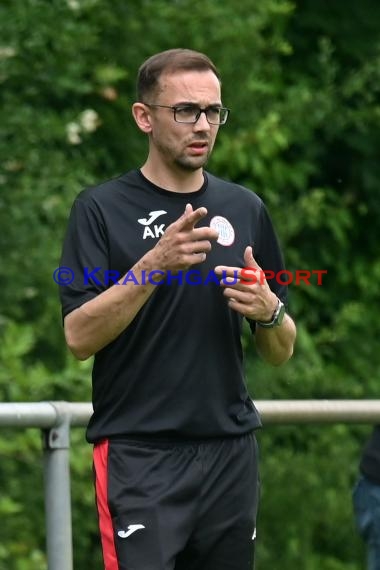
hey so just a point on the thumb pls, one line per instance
(249, 260)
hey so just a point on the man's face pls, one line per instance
(184, 146)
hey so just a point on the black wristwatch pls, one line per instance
(277, 318)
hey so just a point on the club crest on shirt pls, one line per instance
(225, 229)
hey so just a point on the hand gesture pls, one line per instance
(182, 244)
(248, 292)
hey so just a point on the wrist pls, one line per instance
(277, 316)
(271, 310)
(149, 262)
(148, 266)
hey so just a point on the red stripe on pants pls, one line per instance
(105, 521)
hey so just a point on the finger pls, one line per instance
(249, 260)
(241, 308)
(237, 285)
(202, 246)
(204, 233)
(190, 217)
(234, 293)
(194, 259)
(242, 275)
(227, 271)
(239, 301)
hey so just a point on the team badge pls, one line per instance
(225, 229)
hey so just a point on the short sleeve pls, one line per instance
(84, 253)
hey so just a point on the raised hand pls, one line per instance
(248, 292)
(182, 244)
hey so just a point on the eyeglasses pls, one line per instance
(190, 113)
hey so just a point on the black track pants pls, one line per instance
(177, 505)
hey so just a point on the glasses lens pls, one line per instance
(217, 115)
(186, 114)
(223, 115)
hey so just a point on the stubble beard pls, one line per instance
(182, 161)
(190, 164)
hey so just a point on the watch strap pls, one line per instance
(277, 317)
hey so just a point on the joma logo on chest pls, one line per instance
(156, 230)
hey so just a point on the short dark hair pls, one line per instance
(169, 61)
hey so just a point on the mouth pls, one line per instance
(198, 147)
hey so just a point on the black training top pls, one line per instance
(177, 369)
(370, 462)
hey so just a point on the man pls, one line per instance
(366, 499)
(159, 298)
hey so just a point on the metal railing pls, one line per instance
(55, 419)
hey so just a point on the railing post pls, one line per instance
(56, 443)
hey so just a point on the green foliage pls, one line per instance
(302, 81)
(310, 472)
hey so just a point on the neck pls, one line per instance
(174, 180)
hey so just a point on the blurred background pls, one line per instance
(302, 80)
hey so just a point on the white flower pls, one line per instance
(89, 120)
(73, 133)
(7, 52)
(73, 4)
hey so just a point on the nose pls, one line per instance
(202, 123)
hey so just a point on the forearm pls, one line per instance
(98, 322)
(275, 345)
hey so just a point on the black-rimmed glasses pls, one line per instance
(190, 113)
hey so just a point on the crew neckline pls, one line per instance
(186, 196)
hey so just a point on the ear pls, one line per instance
(142, 116)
